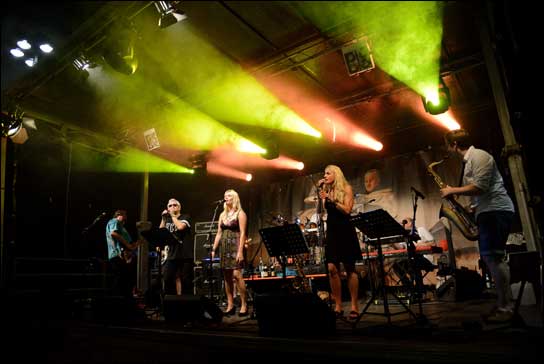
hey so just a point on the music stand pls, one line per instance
(377, 224)
(281, 241)
(159, 238)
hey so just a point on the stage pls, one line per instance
(454, 332)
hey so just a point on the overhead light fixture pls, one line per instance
(83, 63)
(13, 129)
(199, 164)
(14, 125)
(31, 62)
(358, 57)
(168, 14)
(119, 50)
(437, 101)
(23, 44)
(30, 55)
(17, 53)
(46, 48)
(272, 147)
(11, 122)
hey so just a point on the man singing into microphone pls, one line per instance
(178, 265)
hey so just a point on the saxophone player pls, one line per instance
(494, 212)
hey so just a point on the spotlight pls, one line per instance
(16, 52)
(23, 44)
(119, 50)
(31, 62)
(83, 63)
(46, 48)
(13, 129)
(437, 102)
(272, 147)
(168, 14)
(11, 123)
(199, 163)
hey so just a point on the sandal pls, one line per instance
(353, 315)
(339, 314)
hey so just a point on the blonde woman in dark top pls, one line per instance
(231, 236)
(341, 241)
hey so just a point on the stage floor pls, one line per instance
(454, 332)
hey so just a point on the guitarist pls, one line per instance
(120, 252)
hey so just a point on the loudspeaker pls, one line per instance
(293, 315)
(204, 284)
(468, 284)
(187, 308)
(201, 251)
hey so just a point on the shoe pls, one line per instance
(230, 312)
(353, 315)
(339, 314)
(243, 314)
(499, 316)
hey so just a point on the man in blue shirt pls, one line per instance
(120, 248)
(494, 212)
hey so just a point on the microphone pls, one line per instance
(320, 183)
(218, 201)
(418, 194)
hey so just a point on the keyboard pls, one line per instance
(395, 253)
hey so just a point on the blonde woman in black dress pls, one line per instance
(231, 235)
(341, 241)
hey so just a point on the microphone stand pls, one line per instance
(87, 228)
(209, 245)
(85, 234)
(421, 319)
(320, 227)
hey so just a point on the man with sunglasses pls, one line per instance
(178, 264)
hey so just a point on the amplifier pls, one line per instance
(204, 227)
(208, 283)
(202, 246)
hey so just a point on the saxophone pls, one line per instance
(456, 213)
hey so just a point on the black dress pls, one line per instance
(342, 244)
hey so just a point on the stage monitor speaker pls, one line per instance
(465, 284)
(188, 308)
(293, 315)
(200, 249)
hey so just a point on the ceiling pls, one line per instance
(286, 46)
